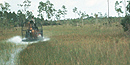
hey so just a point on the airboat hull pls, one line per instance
(32, 40)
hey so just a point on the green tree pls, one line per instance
(9, 15)
(54, 14)
(24, 6)
(47, 8)
(118, 7)
(58, 15)
(21, 17)
(5, 7)
(126, 21)
(96, 16)
(64, 11)
(100, 14)
(5, 20)
(75, 11)
(1, 13)
(41, 9)
(83, 15)
(29, 15)
(23, 12)
(128, 6)
(79, 13)
(14, 16)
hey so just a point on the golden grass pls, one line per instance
(6, 47)
(8, 33)
(70, 45)
(87, 45)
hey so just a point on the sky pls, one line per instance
(89, 6)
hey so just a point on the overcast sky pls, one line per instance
(89, 6)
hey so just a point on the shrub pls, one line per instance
(126, 23)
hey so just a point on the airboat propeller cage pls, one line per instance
(31, 31)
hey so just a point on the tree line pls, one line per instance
(23, 15)
(46, 9)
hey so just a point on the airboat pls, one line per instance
(32, 32)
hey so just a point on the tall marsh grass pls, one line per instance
(87, 45)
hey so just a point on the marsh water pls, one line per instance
(10, 56)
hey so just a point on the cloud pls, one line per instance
(2, 1)
(91, 3)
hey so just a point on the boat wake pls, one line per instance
(17, 40)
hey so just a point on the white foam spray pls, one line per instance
(18, 41)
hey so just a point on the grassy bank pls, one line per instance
(5, 34)
(87, 45)
(6, 48)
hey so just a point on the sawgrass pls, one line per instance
(86, 45)
(8, 33)
(6, 47)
